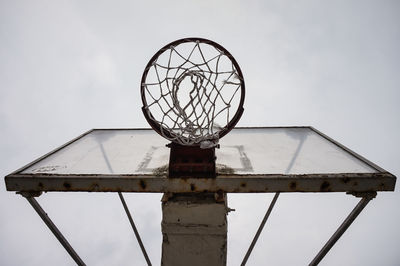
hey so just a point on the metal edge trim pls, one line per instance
(358, 156)
(292, 183)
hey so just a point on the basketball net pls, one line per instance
(192, 91)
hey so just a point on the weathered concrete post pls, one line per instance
(194, 228)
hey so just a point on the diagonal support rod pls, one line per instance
(126, 208)
(54, 229)
(343, 227)
(271, 206)
(134, 229)
(260, 228)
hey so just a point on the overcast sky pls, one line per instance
(69, 66)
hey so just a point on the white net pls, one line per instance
(192, 91)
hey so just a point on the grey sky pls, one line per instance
(69, 66)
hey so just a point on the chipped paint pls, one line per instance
(50, 168)
(161, 171)
(223, 169)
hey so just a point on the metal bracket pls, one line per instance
(369, 194)
(191, 161)
(220, 196)
(29, 194)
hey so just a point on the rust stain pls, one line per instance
(325, 186)
(345, 180)
(219, 196)
(95, 187)
(142, 184)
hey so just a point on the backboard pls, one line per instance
(257, 159)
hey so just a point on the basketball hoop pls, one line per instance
(193, 92)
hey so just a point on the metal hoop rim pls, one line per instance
(149, 117)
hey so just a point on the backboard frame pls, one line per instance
(381, 180)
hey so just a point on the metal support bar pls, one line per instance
(343, 227)
(54, 229)
(134, 229)
(260, 228)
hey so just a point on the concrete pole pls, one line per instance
(194, 229)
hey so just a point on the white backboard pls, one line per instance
(267, 159)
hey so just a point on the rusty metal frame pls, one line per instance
(362, 185)
(343, 182)
(228, 183)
